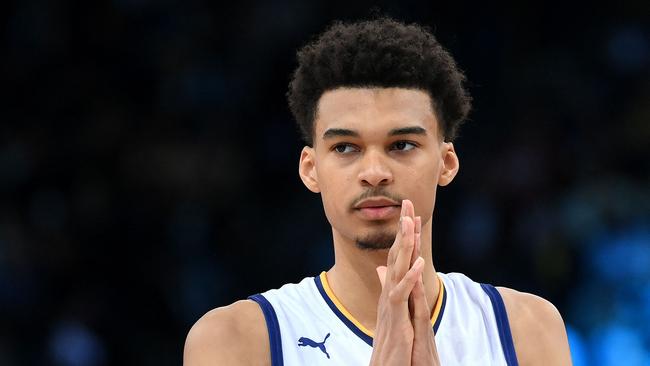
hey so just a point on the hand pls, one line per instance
(424, 352)
(394, 334)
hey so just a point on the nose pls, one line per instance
(374, 171)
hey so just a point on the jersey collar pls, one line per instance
(355, 326)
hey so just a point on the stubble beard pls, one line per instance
(380, 240)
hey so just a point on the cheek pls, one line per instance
(336, 191)
(426, 171)
(424, 189)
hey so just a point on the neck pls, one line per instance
(353, 278)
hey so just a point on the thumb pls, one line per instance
(381, 272)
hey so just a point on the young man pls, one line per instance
(379, 103)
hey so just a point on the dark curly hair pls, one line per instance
(378, 53)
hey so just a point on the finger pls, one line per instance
(420, 311)
(381, 272)
(392, 253)
(405, 250)
(408, 209)
(418, 235)
(401, 291)
(424, 344)
(416, 246)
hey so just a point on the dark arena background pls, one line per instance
(148, 167)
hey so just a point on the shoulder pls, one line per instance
(537, 328)
(224, 336)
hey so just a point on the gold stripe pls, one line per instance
(347, 314)
(438, 307)
(342, 309)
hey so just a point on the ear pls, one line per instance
(307, 169)
(450, 164)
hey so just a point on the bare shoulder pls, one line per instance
(230, 335)
(537, 328)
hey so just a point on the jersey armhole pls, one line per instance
(502, 324)
(273, 327)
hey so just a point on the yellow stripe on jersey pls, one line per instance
(350, 317)
(438, 307)
(342, 309)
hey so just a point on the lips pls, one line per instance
(379, 213)
(377, 208)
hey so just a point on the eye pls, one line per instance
(403, 146)
(344, 148)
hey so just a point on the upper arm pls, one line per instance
(537, 328)
(231, 335)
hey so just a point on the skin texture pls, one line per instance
(388, 291)
(404, 334)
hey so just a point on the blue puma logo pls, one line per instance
(304, 341)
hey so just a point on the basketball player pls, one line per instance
(379, 103)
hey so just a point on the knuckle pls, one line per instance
(407, 244)
(393, 296)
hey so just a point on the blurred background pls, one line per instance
(148, 168)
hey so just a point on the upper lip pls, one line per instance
(376, 202)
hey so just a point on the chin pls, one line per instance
(378, 240)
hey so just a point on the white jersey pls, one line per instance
(308, 325)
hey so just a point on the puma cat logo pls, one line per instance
(304, 341)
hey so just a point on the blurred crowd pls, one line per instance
(148, 168)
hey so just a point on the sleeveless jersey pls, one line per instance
(308, 325)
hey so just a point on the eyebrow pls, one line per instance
(338, 132)
(415, 130)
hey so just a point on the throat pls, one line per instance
(354, 289)
(355, 298)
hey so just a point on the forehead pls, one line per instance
(367, 110)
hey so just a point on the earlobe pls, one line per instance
(450, 164)
(307, 169)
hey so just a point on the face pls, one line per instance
(374, 147)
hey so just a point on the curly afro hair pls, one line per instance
(378, 53)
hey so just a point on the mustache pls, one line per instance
(375, 192)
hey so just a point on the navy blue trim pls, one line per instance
(366, 338)
(275, 340)
(502, 324)
(436, 324)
